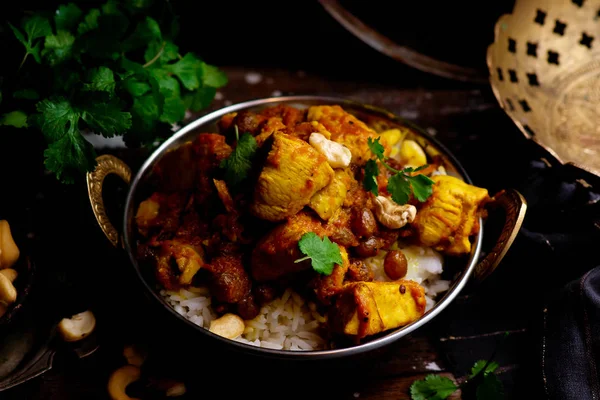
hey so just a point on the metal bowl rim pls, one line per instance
(388, 339)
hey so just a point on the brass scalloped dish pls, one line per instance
(544, 70)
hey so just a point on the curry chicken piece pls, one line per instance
(292, 174)
(367, 308)
(348, 130)
(450, 215)
(160, 212)
(177, 262)
(329, 199)
(274, 255)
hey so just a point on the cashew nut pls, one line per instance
(77, 327)
(229, 326)
(412, 154)
(176, 390)
(120, 379)
(9, 252)
(11, 274)
(338, 155)
(8, 293)
(134, 356)
(393, 215)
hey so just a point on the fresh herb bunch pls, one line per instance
(402, 183)
(110, 70)
(481, 384)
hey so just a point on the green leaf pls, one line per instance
(166, 83)
(173, 110)
(27, 94)
(490, 388)
(370, 178)
(69, 157)
(138, 5)
(68, 152)
(399, 187)
(136, 87)
(58, 118)
(376, 148)
(90, 21)
(433, 387)
(18, 119)
(213, 76)
(239, 163)
(186, 70)
(200, 98)
(36, 27)
(168, 52)
(144, 32)
(20, 37)
(58, 47)
(324, 254)
(67, 16)
(106, 119)
(421, 187)
(111, 7)
(492, 366)
(29, 49)
(100, 79)
(145, 112)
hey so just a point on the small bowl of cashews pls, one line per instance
(16, 273)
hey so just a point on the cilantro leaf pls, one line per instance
(186, 70)
(163, 52)
(145, 31)
(18, 119)
(490, 388)
(421, 186)
(106, 119)
(90, 22)
(324, 254)
(27, 94)
(57, 48)
(399, 187)
(58, 118)
(239, 163)
(200, 98)
(69, 156)
(136, 87)
(101, 79)
(433, 387)
(370, 178)
(376, 148)
(67, 16)
(36, 27)
(492, 366)
(146, 107)
(212, 76)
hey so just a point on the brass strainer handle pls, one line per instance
(515, 206)
(106, 164)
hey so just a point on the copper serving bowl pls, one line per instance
(141, 185)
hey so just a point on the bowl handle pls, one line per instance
(106, 164)
(515, 206)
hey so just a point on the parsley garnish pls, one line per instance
(401, 183)
(112, 70)
(433, 387)
(324, 254)
(238, 165)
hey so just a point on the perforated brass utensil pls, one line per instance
(544, 69)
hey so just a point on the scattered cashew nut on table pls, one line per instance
(78, 327)
(120, 379)
(394, 215)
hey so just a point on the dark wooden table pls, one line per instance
(467, 120)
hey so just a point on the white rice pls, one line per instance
(291, 323)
